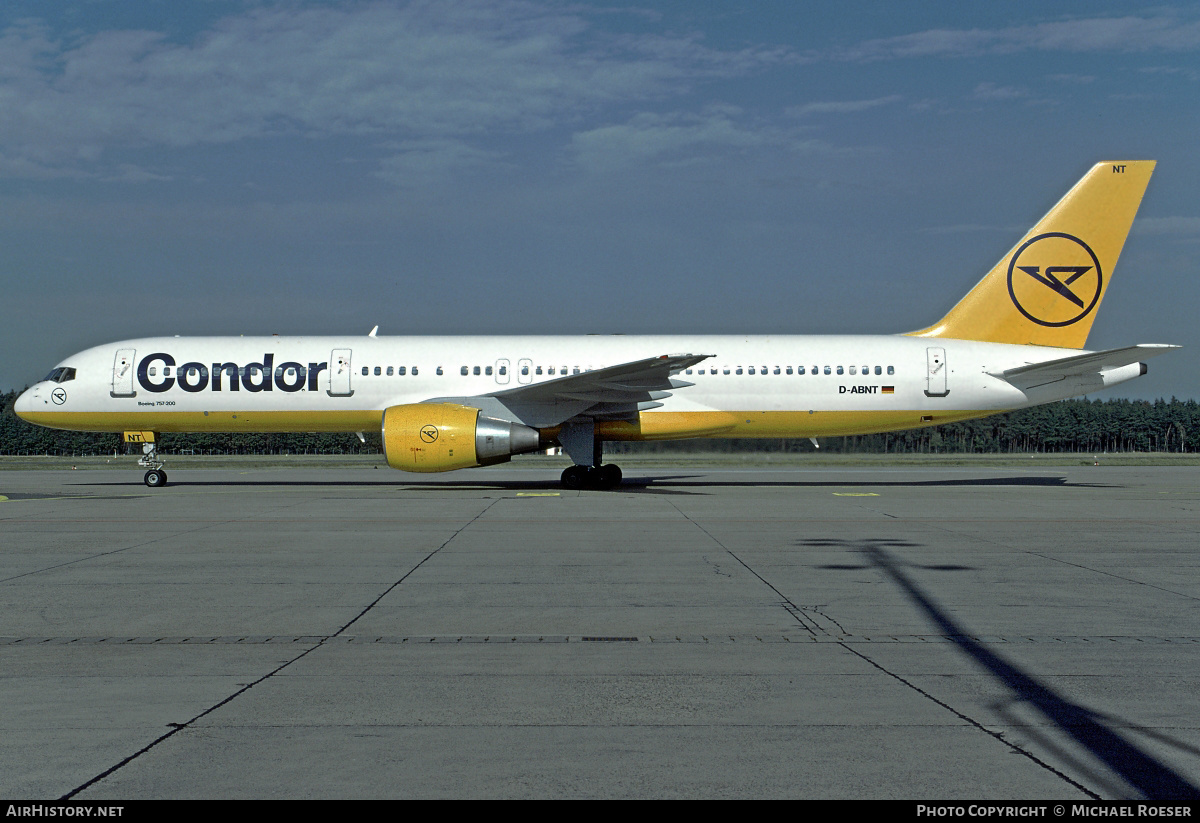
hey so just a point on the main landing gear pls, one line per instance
(592, 477)
(156, 476)
(580, 442)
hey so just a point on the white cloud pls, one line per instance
(990, 91)
(415, 72)
(1073, 79)
(1177, 226)
(671, 139)
(1163, 33)
(842, 106)
(419, 161)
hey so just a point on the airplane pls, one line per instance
(445, 403)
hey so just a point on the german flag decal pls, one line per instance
(888, 390)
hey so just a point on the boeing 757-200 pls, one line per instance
(444, 403)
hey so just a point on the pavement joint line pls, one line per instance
(175, 728)
(797, 612)
(976, 724)
(150, 542)
(415, 640)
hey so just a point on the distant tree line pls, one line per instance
(1070, 426)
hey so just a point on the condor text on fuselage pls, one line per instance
(288, 376)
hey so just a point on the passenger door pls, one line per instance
(936, 385)
(122, 376)
(339, 373)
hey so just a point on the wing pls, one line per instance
(612, 393)
(1082, 365)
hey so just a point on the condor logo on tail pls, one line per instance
(1054, 279)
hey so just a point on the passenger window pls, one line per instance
(789, 370)
(366, 371)
(487, 370)
(476, 370)
(463, 371)
(853, 370)
(840, 370)
(751, 370)
(153, 371)
(550, 370)
(414, 371)
(777, 370)
(739, 369)
(400, 371)
(439, 371)
(576, 370)
(688, 371)
(878, 370)
(524, 370)
(538, 370)
(390, 370)
(726, 371)
(827, 371)
(891, 370)
(504, 369)
(166, 371)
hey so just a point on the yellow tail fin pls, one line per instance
(1046, 290)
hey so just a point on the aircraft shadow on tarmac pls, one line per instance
(1092, 730)
(644, 484)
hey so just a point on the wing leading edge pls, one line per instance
(611, 393)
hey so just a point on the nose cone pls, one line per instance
(27, 403)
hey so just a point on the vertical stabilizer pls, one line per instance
(1047, 289)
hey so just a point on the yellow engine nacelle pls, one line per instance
(441, 437)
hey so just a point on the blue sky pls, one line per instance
(550, 167)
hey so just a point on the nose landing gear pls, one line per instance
(156, 477)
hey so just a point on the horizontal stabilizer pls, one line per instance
(1081, 365)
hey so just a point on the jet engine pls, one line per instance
(441, 437)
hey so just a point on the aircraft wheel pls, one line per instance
(591, 477)
(610, 476)
(155, 478)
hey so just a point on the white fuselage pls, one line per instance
(751, 386)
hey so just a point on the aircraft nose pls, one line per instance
(26, 402)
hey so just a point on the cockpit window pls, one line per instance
(60, 375)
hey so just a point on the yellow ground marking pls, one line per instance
(855, 494)
(539, 494)
(2, 498)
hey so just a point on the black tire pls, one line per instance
(573, 477)
(610, 476)
(155, 478)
